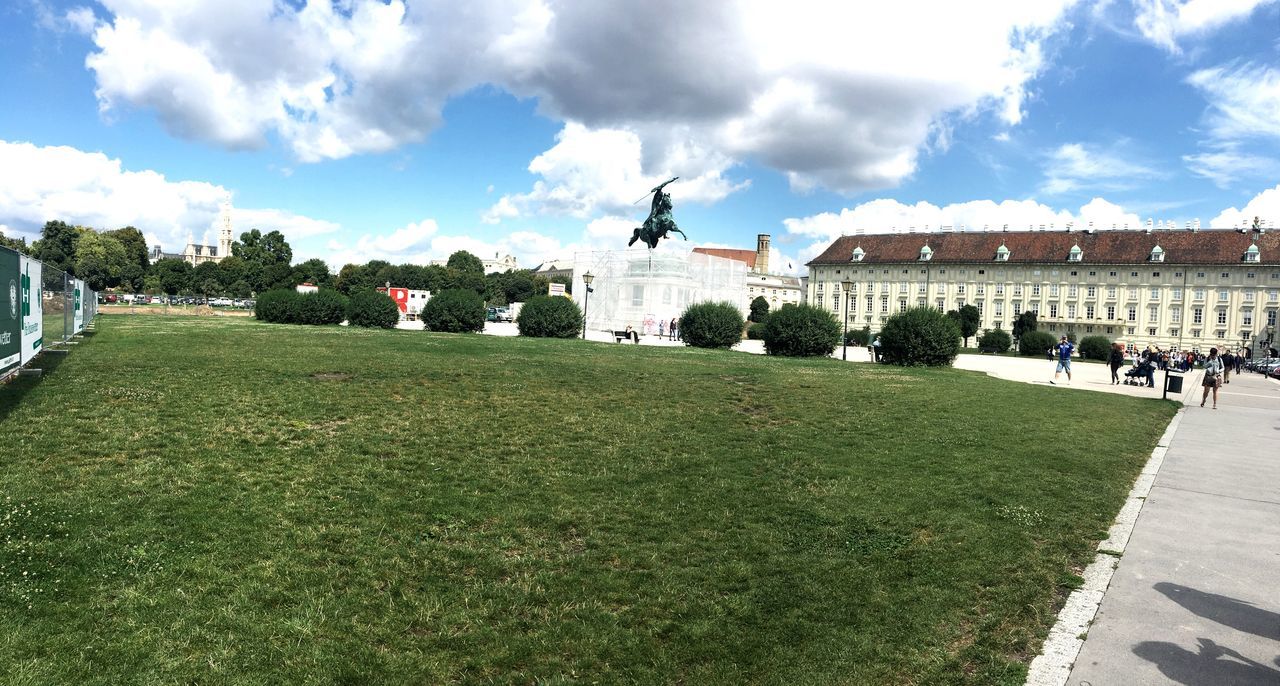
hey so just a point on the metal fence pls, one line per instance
(41, 308)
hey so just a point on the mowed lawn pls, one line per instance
(204, 500)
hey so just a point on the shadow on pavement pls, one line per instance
(1213, 665)
(1224, 610)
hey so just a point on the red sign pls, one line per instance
(401, 298)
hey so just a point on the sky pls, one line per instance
(405, 130)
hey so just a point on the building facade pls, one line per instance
(1179, 290)
(776, 289)
(196, 253)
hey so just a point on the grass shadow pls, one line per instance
(12, 393)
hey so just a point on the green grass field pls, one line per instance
(206, 500)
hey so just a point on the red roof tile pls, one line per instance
(1102, 247)
(748, 256)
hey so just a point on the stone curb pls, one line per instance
(1052, 667)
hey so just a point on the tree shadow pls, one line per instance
(12, 393)
(1205, 668)
(1227, 611)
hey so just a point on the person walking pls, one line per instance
(875, 350)
(1063, 350)
(673, 332)
(1116, 360)
(662, 325)
(1228, 360)
(1213, 373)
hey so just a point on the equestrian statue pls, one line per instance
(659, 221)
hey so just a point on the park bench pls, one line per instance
(619, 335)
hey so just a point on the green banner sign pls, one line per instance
(10, 312)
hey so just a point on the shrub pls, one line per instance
(547, 316)
(1095, 348)
(1034, 343)
(920, 336)
(859, 337)
(755, 332)
(456, 310)
(995, 338)
(759, 310)
(801, 331)
(278, 306)
(711, 325)
(372, 309)
(325, 306)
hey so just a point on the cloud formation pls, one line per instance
(830, 94)
(1166, 22)
(1076, 166)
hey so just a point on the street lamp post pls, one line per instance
(844, 354)
(586, 300)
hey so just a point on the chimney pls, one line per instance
(762, 253)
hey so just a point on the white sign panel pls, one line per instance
(78, 322)
(555, 289)
(32, 287)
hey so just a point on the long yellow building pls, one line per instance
(1180, 290)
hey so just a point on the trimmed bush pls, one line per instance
(549, 316)
(759, 310)
(920, 336)
(372, 309)
(456, 310)
(995, 338)
(1095, 348)
(277, 306)
(801, 331)
(711, 325)
(325, 306)
(755, 332)
(859, 337)
(1036, 343)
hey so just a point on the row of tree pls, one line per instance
(258, 262)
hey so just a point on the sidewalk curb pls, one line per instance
(1052, 667)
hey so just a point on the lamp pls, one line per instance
(586, 300)
(848, 286)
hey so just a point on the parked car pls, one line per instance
(220, 302)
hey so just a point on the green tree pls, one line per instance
(100, 259)
(18, 244)
(266, 258)
(1024, 324)
(711, 325)
(759, 309)
(240, 289)
(203, 273)
(996, 339)
(173, 275)
(57, 246)
(801, 331)
(920, 336)
(352, 279)
(967, 319)
(464, 261)
(313, 271)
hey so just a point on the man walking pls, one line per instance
(1064, 349)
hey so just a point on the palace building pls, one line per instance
(1179, 290)
(776, 289)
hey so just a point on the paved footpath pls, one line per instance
(1196, 597)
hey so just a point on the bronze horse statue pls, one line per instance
(659, 222)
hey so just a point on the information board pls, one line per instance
(31, 292)
(10, 312)
(77, 322)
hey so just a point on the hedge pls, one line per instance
(456, 310)
(920, 336)
(711, 325)
(549, 316)
(373, 309)
(801, 331)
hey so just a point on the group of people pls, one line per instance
(670, 329)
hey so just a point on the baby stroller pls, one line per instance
(1137, 375)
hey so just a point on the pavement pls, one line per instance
(1195, 598)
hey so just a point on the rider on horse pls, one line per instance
(659, 222)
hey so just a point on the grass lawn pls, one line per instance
(222, 501)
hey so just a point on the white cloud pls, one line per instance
(1075, 166)
(1245, 100)
(1165, 22)
(1265, 206)
(836, 95)
(38, 184)
(1225, 164)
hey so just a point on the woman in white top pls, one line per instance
(1212, 376)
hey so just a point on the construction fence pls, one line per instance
(41, 308)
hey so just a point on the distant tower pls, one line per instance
(762, 253)
(224, 230)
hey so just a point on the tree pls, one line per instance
(266, 258)
(240, 289)
(202, 274)
(173, 275)
(464, 261)
(801, 331)
(99, 259)
(230, 270)
(920, 336)
(352, 278)
(313, 271)
(1023, 324)
(58, 246)
(759, 309)
(18, 244)
(996, 339)
(967, 319)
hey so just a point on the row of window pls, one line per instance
(1054, 273)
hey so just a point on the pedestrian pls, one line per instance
(875, 350)
(674, 332)
(1063, 349)
(1228, 360)
(662, 324)
(1116, 360)
(1213, 373)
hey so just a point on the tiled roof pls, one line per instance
(748, 256)
(1053, 247)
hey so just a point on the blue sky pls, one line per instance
(404, 131)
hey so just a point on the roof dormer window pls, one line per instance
(1002, 253)
(858, 254)
(1157, 254)
(1076, 254)
(926, 254)
(1251, 255)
